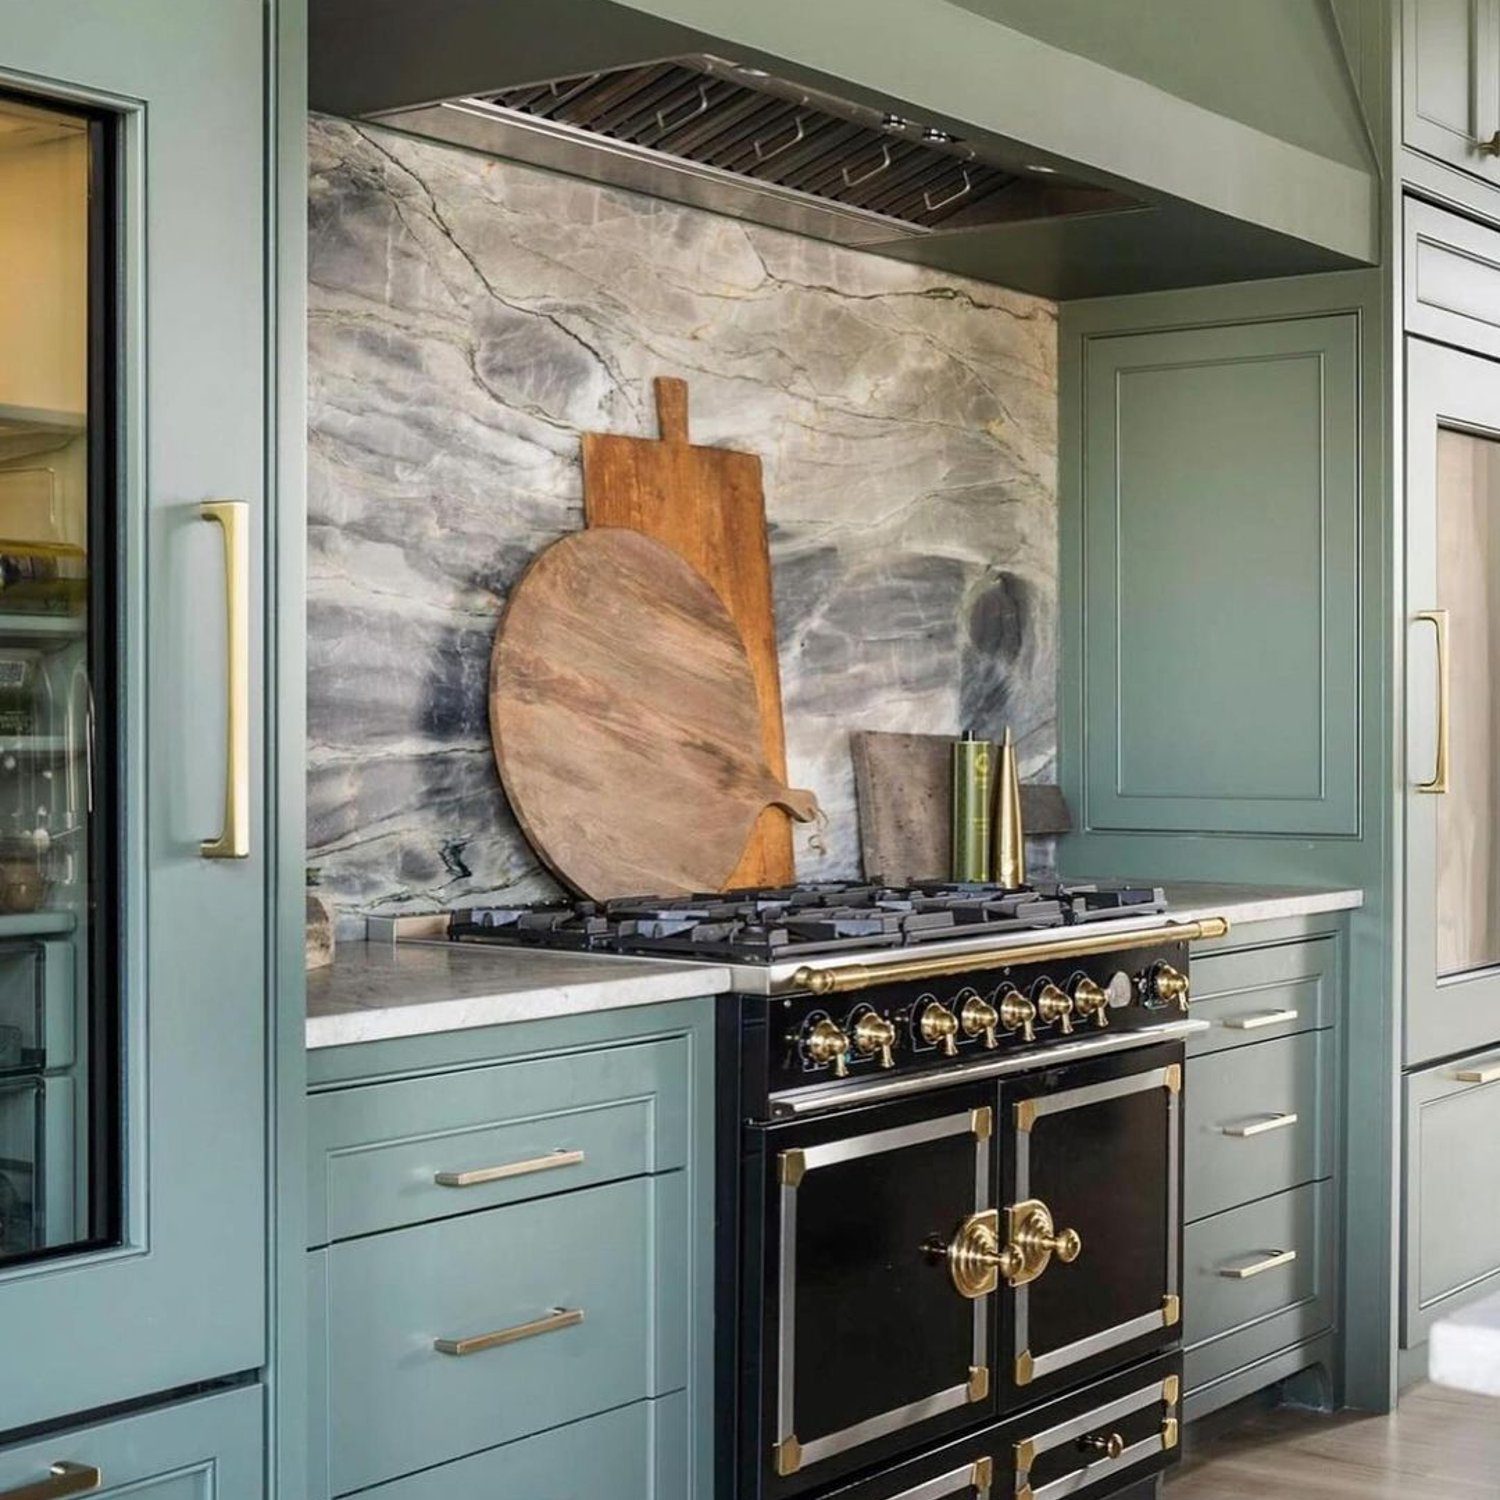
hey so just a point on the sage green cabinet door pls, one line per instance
(1221, 540)
(1453, 703)
(207, 1449)
(1450, 82)
(132, 390)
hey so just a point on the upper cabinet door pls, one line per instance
(1453, 702)
(1450, 82)
(132, 908)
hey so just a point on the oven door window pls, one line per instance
(870, 1337)
(1094, 1153)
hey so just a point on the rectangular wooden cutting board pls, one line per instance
(706, 504)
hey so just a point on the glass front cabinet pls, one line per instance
(133, 1010)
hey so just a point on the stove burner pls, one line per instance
(763, 926)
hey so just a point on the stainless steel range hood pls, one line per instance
(733, 139)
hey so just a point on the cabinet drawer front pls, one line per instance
(1256, 1279)
(1452, 278)
(586, 1292)
(392, 1154)
(636, 1453)
(1452, 1213)
(1255, 1122)
(1256, 994)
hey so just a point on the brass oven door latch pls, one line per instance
(977, 1260)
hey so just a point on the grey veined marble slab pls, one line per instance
(469, 318)
(375, 991)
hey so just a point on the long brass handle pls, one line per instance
(481, 1175)
(233, 519)
(1261, 1127)
(63, 1479)
(558, 1318)
(1258, 1019)
(1438, 619)
(1479, 1075)
(840, 979)
(1269, 1263)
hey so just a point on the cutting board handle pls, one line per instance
(671, 408)
(802, 805)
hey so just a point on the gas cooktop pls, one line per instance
(767, 926)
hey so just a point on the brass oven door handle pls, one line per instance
(63, 1479)
(1438, 619)
(556, 1320)
(481, 1175)
(233, 519)
(1269, 1262)
(1489, 1073)
(1259, 1019)
(1260, 1127)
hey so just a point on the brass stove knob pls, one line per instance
(939, 1026)
(1168, 987)
(979, 1017)
(1017, 1013)
(875, 1034)
(1090, 999)
(825, 1044)
(1053, 1005)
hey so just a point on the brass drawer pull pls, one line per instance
(558, 1318)
(63, 1479)
(1269, 1263)
(1259, 1019)
(481, 1175)
(1487, 1074)
(1261, 1127)
(233, 519)
(1438, 619)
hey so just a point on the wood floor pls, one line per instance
(1440, 1445)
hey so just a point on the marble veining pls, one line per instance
(469, 318)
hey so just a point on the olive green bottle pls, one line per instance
(972, 760)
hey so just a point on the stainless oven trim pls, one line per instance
(794, 1103)
(1167, 1078)
(810, 1158)
(1077, 1427)
(971, 1477)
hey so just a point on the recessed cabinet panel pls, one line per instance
(1221, 537)
(1450, 81)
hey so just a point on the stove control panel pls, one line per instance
(931, 1024)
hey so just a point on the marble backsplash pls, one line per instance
(470, 317)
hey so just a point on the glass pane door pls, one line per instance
(1467, 906)
(58, 1050)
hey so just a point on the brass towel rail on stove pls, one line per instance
(842, 979)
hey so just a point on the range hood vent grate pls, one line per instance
(733, 139)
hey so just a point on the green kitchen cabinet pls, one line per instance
(1450, 83)
(139, 159)
(210, 1448)
(511, 1258)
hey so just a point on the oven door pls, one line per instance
(1092, 1187)
(857, 1346)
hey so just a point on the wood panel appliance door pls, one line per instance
(1091, 1180)
(868, 1348)
(132, 983)
(1453, 703)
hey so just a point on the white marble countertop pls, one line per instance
(375, 991)
(1463, 1349)
(1189, 900)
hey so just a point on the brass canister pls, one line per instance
(972, 762)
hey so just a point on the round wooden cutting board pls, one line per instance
(625, 720)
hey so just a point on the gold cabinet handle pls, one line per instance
(1259, 1019)
(233, 519)
(481, 1175)
(63, 1479)
(556, 1320)
(1260, 1127)
(1259, 1268)
(1438, 619)
(1487, 1074)
(1490, 147)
